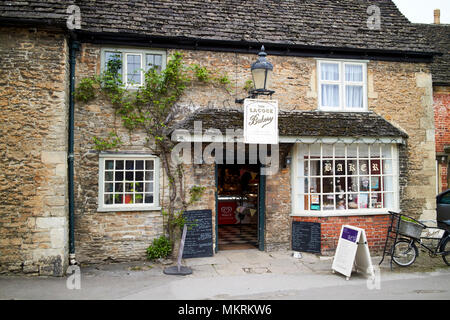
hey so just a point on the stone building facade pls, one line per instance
(34, 98)
(33, 166)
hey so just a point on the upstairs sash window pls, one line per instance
(342, 86)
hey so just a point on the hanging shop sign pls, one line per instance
(260, 121)
(352, 250)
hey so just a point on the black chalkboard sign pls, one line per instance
(306, 236)
(199, 240)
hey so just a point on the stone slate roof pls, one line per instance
(300, 123)
(318, 23)
(439, 34)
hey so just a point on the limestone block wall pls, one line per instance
(400, 92)
(33, 151)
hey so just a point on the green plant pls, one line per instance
(111, 142)
(86, 89)
(196, 193)
(248, 85)
(201, 73)
(161, 248)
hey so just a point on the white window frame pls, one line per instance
(342, 83)
(296, 192)
(128, 51)
(102, 207)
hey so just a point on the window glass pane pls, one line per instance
(314, 202)
(118, 199)
(363, 200)
(119, 164)
(339, 151)
(375, 184)
(388, 183)
(341, 203)
(138, 198)
(128, 198)
(148, 175)
(328, 185)
(329, 71)
(327, 167)
(386, 151)
(387, 166)
(352, 151)
(315, 167)
(327, 151)
(376, 201)
(139, 176)
(109, 199)
(354, 96)
(139, 187)
(339, 167)
(119, 176)
(305, 168)
(118, 187)
(330, 95)
(134, 68)
(109, 164)
(375, 167)
(363, 167)
(129, 187)
(109, 176)
(315, 185)
(303, 185)
(340, 185)
(109, 187)
(148, 198)
(363, 150)
(352, 184)
(353, 73)
(352, 167)
(375, 150)
(129, 175)
(139, 164)
(364, 183)
(148, 187)
(388, 200)
(113, 60)
(148, 164)
(328, 202)
(352, 201)
(129, 164)
(154, 61)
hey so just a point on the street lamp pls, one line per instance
(262, 75)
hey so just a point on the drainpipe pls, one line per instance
(73, 48)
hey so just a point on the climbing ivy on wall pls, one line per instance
(151, 108)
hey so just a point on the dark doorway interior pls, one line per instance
(237, 190)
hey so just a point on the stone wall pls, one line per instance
(400, 92)
(33, 151)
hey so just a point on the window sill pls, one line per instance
(339, 213)
(122, 209)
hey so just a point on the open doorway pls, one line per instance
(238, 206)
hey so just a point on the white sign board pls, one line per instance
(352, 250)
(260, 121)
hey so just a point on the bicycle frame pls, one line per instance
(434, 251)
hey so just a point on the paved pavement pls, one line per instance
(239, 274)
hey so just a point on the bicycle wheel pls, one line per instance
(446, 247)
(405, 253)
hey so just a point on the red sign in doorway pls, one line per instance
(227, 212)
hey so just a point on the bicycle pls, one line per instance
(405, 250)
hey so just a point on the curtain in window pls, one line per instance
(354, 96)
(329, 71)
(330, 95)
(354, 93)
